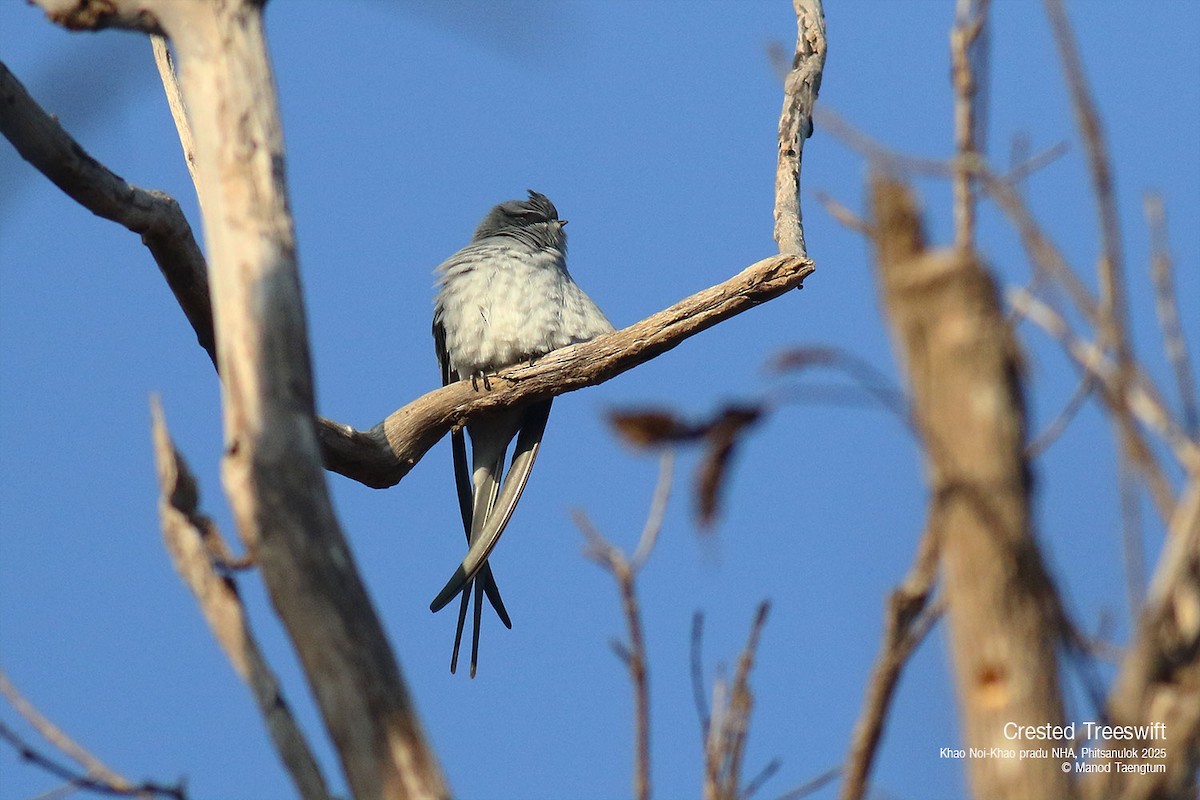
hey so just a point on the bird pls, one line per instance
(503, 300)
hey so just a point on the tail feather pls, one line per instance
(495, 501)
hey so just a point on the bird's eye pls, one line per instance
(530, 217)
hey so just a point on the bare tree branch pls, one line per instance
(1167, 306)
(185, 533)
(949, 331)
(1113, 327)
(968, 45)
(1055, 428)
(42, 142)
(1144, 401)
(96, 769)
(697, 672)
(272, 467)
(909, 620)
(795, 123)
(725, 745)
(98, 777)
(383, 455)
(624, 571)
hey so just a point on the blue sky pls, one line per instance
(652, 128)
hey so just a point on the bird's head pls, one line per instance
(534, 221)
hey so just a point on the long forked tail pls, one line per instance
(488, 511)
(487, 527)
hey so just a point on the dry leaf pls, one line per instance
(722, 436)
(652, 427)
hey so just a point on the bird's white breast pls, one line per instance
(501, 305)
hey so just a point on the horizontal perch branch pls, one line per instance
(383, 455)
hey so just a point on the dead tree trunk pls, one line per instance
(963, 369)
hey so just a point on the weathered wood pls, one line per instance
(963, 367)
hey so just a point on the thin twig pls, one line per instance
(96, 769)
(58, 793)
(1112, 281)
(1133, 551)
(726, 742)
(741, 699)
(907, 164)
(909, 619)
(812, 786)
(1024, 167)
(624, 571)
(847, 218)
(634, 656)
(697, 664)
(865, 376)
(1167, 305)
(1144, 402)
(836, 395)
(1045, 257)
(1049, 435)
(88, 782)
(888, 159)
(764, 775)
(1113, 327)
(658, 511)
(968, 46)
